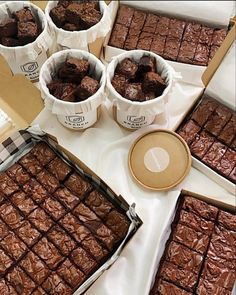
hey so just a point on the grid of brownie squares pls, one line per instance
(174, 39)
(73, 81)
(210, 132)
(56, 229)
(76, 15)
(20, 29)
(200, 255)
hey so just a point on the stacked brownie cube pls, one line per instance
(200, 256)
(138, 81)
(210, 132)
(73, 81)
(76, 15)
(22, 28)
(56, 229)
(173, 39)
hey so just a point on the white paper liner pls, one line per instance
(79, 39)
(65, 109)
(33, 53)
(148, 108)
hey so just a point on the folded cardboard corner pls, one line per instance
(19, 98)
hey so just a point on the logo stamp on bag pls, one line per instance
(134, 119)
(75, 119)
(29, 67)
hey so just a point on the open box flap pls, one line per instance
(19, 98)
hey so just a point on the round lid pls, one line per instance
(159, 160)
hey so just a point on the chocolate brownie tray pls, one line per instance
(209, 128)
(61, 226)
(197, 252)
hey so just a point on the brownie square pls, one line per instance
(74, 227)
(59, 168)
(48, 253)
(206, 35)
(21, 281)
(134, 92)
(87, 88)
(35, 267)
(226, 236)
(196, 222)
(53, 208)
(24, 15)
(145, 41)
(186, 52)
(91, 245)
(228, 132)
(201, 55)
(213, 52)
(98, 203)
(176, 28)
(10, 42)
(66, 197)
(28, 233)
(10, 215)
(119, 82)
(227, 162)
(132, 39)
(172, 46)
(158, 44)
(27, 32)
(7, 185)
(218, 36)
(43, 153)
(232, 175)
(61, 239)
(65, 92)
(40, 220)
(162, 27)
(184, 257)
(166, 288)
(200, 208)
(153, 82)
(201, 144)
(118, 223)
(74, 70)
(118, 36)
(192, 32)
(5, 263)
(84, 261)
(228, 220)
(58, 15)
(189, 131)
(5, 288)
(55, 285)
(190, 238)
(23, 202)
(150, 23)
(3, 230)
(71, 274)
(8, 28)
(147, 64)
(73, 13)
(35, 191)
(31, 164)
(214, 154)
(39, 291)
(218, 120)
(124, 15)
(89, 17)
(178, 276)
(77, 185)
(204, 110)
(18, 174)
(138, 20)
(207, 288)
(128, 68)
(13, 246)
(48, 181)
(219, 249)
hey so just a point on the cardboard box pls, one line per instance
(21, 100)
(206, 78)
(167, 231)
(186, 70)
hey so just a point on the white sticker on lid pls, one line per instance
(156, 159)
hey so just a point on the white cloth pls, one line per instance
(104, 148)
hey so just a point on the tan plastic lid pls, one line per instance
(159, 160)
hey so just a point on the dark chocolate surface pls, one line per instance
(54, 231)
